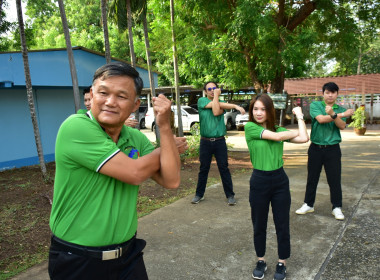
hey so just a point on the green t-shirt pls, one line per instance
(90, 208)
(82, 111)
(324, 133)
(265, 154)
(211, 126)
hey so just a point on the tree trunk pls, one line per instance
(70, 54)
(149, 61)
(105, 31)
(176, 75)
(277, 84)
(132, 50)
(130, 34)
(359, 60)
(251, 64)
(29, 90)
(151, 77)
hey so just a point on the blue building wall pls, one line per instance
(53, 97)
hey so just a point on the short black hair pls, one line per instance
(119, 69)
(204, 87)
(330, 86)
(86, 90)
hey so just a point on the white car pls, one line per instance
(230, 115)
(190, 117)
(241, 120)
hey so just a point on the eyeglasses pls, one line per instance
(211, 88)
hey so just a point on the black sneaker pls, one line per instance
(196, 199)
(258, 272)
(231, 200)
(280, 273)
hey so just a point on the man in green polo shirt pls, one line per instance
(86, 100)
(99, 164)
(213, 129)
(327, 119)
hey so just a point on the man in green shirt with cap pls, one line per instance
(327, 119)
(213, 130)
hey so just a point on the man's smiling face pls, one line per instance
(113, 100)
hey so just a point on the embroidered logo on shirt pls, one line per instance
(132, 152)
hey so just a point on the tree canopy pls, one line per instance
(240, 43)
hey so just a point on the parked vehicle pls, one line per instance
(190, 117)
(241, 120)
(142, 112)
(195, 106)
(231, 114)
(149, 119)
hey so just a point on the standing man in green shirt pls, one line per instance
(99, 164)
(213, 130)
(327, 119)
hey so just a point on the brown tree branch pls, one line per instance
(302, 14)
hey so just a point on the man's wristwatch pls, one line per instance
(334, 116)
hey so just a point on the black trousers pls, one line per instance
(330, 158)
(217, 148)
(65, 265)
(270, 187)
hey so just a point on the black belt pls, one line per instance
(104, 253)
(212, 139)
(324, 146)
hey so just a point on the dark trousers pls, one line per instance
(217, 148)
(270, 187)
(65, 265)
(330, 158)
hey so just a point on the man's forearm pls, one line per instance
(225, 106)
(169, 173)
(327, 119)
(216, 110)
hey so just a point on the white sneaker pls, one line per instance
(337, 212)
(305, 209)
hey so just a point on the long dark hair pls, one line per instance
(269, 108)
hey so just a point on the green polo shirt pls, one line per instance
(265, 154)
(211, 126)
(82, 111)
(324, 133)
(90, 208)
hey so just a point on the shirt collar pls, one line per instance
(335, 106)
(124, 133)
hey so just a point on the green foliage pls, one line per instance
(193, 142)
(238, 43)
(358, 118)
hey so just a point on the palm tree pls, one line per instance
(70, 54)
(176, 75)
(118, 10)
(105, 31)
(130, 34)
(29, 90)
(149, 62)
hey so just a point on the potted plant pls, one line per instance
(358, 120)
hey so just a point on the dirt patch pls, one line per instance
(25, 207)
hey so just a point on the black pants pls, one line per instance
(330, 158)
(217, 148)
(64, 265)
(270, 187)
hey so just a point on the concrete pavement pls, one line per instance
(212, 240)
